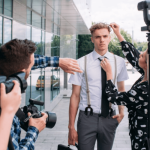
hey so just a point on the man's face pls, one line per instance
(101, 39)
(30, 66)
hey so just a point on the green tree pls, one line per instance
(114, 45)
(85, 45)
(145, 46)
(55, 46)
(39, 48)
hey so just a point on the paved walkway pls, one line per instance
(49, 138)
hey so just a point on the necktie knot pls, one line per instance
(101, 58)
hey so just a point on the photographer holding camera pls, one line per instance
(8, 109)
(17, 56)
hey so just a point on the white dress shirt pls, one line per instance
(94, 78)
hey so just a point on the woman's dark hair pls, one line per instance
(15, 56)
(146, 55)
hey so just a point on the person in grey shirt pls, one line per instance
(96, 126)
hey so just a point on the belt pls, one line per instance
(111, 113)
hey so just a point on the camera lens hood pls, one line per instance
(51, 119)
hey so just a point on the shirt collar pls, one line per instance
(96, 55)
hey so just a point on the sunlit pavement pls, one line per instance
(49, 138)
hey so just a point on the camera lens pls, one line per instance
(51, 119)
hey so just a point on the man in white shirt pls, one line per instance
(98, 126)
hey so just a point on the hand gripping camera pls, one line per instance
(22, 115)
(51, 119)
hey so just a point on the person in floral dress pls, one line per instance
(136, 99)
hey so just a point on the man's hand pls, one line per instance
(119, 117)
(69, 65)
(10, 102)
(39, 123)
(72, 137)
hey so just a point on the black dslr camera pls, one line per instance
(20, 77)
(22, 114)
(51, 119)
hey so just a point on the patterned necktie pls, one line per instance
(104, 101)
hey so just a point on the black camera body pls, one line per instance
(22, 114)
(51, 119)
(145, 7)
(20, 77)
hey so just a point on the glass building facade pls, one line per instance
(53, 25)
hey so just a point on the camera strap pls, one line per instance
(21, 115)
(27, 119)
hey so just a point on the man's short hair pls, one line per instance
(15, 56)
(99, 25)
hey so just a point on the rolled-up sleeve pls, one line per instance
(41, 61)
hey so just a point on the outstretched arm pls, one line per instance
(116, 30)
(113, 95)
(67, 64)
(128, 49)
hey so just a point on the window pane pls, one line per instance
(0, 31)
(28, 16)
(52, 29)
(29, 2)
(36, 85)
(7, 30)
(1, 6)
(43, 36)
(36, 37)
(55, 82)
(36, 20)
(55, 78)
(43, 43)
(8, 8)
(43, 23)
(58, 31)
(55, 28)
(37, 6)
(44, 9)
(28, 32)
(55, 46)
(19, 31)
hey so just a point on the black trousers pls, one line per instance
(96, 127)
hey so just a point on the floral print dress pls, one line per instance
(136, 100)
